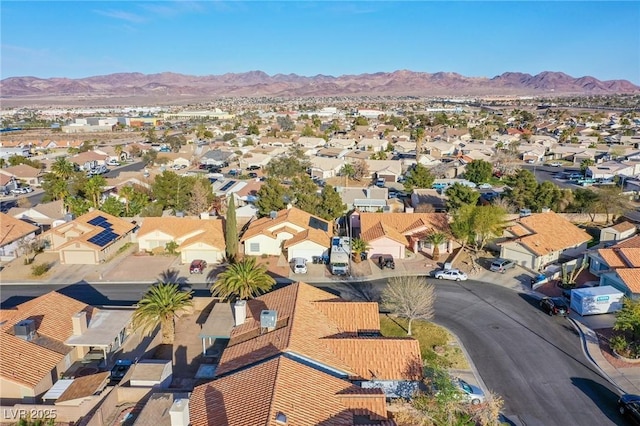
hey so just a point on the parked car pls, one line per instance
(451, 274)
(629, 406)
(299, 265)
(253, 168)
(501, 265)
(554, 306)
(113, 162)
(16, 191)
(119, 370)
(197, 266)
(472, 394)
(386, 261)
(253, 175)
(485, 186)
(555, 164)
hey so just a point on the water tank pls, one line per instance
(268, 319)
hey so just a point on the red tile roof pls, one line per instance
(287, 388)
(549, 232)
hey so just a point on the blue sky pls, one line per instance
(473, 38)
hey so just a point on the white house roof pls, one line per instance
(103, 328)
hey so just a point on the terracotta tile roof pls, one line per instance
(398, 226)
(300, 333)
(5, 179)
(315, 235)
(314, 323)
(86, 230)
(611, 258)
(550, 232)
(305, 395)
(186, 230)
(379, 230)
(380, 358)
(85, 386)
(351, 317)
(624, 226)
(291, 218)
(633, 242)
(630, 277)
(12, 229)
(29, 362)
(23, 171)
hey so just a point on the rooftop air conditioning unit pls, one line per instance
(25, 329)
(268, 319)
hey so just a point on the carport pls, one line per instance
(216, 329)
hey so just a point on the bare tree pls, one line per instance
(200, 195)
(488, 414)
(360, 170)
(409, 297)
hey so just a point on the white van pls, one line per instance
(299, 265)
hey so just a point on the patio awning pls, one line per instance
(219, 323)
(103, 329)
(57, 389)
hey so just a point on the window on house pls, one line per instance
(254, 247)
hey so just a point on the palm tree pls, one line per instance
(127, 192)
(63, 168)
(161, 305)
(118, 150)
(436, 239)
(358, 247)
(94, 188)
(242, 280)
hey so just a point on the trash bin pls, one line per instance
(363, 256)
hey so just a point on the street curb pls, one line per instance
(587, 354)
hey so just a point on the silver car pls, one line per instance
(451, 274)
(501, 265)
(472, 394)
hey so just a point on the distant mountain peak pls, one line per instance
(259, 83)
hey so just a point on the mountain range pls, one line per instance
(257, 83)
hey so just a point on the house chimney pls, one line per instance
(240, 312)
(79, 323)
(179, 412)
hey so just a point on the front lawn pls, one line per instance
(437, 345)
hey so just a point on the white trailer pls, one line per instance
(340, 255)
(596, 300)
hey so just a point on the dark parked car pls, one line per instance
(554, 306)
(253, 168)
(629, 406)
(386, 261)
(501, 265)
(119, 370)
(253, 175)
(197, 266)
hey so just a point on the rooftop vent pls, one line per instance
(273, 214)
(25, 329)
(268, 319)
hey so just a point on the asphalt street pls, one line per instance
(535, 362)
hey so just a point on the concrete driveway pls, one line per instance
(136, 268)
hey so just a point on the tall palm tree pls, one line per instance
(127, 192)
(436, 239)
(242, 280)
(118, 150)
(161, 305)
(94, 188)
(63, 168)
(358, 246)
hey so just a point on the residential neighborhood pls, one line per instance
(291, 263)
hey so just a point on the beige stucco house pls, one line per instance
(90, 239)
(196, 238)
(298, 233)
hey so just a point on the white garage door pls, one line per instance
(211, 256)
(79, 257)
(304, 253)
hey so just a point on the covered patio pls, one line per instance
(216, 330)
(104, 335)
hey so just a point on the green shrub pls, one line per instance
(40, 269)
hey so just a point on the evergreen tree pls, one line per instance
(478, 171)
(522, 189)
(271, 197)
(460, 195)
(231, 230)
(331, 206)
(304, 194)
(419, 177)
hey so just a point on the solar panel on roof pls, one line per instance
(97, 220)
(228, 185)
(103, 238)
